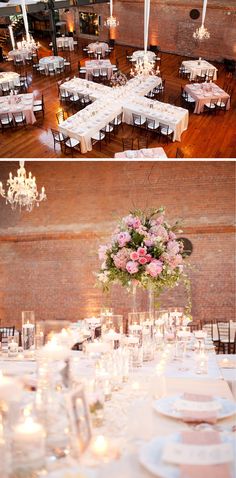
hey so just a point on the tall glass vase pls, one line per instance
(134, 297)
(151, 303)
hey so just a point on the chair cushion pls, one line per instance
(151, 126)
(38, 103)
(165, 131)
(19, 119)
(210, 105)
(97, 136)
(139, 122)
(189, 99)
(72, 142)
(38, 108)
(6, 120)
(109, 127)
(74, 98)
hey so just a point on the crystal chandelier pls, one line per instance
(144, 67)
(22, 191)
(202, 33)
(111, 22)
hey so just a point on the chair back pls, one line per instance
(224, 331)
(136, 119)
(7, 331)
(5, 119)
(150, 123)
(208, 328)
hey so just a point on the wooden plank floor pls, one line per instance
(207, 136)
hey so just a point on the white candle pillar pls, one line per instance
(12, 37)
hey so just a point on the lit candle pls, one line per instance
(53, 351)
(28, 335)
(100, 447)
(28, 447)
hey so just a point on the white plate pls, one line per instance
(73, 472)
(150, 456)
(165, 407)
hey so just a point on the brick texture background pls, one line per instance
(48, 257)
(170, 26)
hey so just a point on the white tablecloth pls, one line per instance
(195, 68)
(19, 103)
(92, 65)
(65, 41)
(84, 87)
(205, 92)
(142, 153)
(9, 77)
(139, 55)
(98, 47)
(51, 60)
(175, 117)
(22, 54)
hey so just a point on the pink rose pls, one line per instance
(148, 257)
(143, 260)
(160, 233)
(123, 238)
(121, 258)
(134, 256)
(142, 251)
(149, 240)
(132, 267)
(154, 268)
(102, 252)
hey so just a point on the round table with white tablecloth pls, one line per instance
(51, 60)
(21, 54)
(64, 42)
(139, 55)
(98, 47)
(9, 77)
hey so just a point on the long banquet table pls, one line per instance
(127, 99)
(205, 92)
(174, 116)
(19, 103)
(130, 419)
(84, 87)
(142, 153)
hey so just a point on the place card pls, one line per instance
(180, 453)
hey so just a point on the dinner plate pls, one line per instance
(165, 406)
(73, 472)
(150, 456)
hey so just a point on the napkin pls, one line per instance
(208, 416)
(228, 364)
(217, 470)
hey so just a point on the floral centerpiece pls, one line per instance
(118, 79)
(143, 250)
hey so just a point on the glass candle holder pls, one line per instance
(28, 330)
(28, 448)
(112, 322)
(201, 363)
(95, 399)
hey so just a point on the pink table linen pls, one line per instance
(205, 92)
(199, 416)
(17, 104)
(142, 153)
(196, 471)
(97, 65)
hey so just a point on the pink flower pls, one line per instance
(149, 240)
(148, 257)
(154, 268)
(123, 238)
(132, 221)
(158, 221)
(134, 256)
(143, 260)
(172, 236)
(142, 251)
(121, 258)
(160, 233)
(132, 267)
(173, 247)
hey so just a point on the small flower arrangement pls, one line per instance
(143, 249)
(118, 79)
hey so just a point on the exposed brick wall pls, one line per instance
(48, 257)
(171, 26)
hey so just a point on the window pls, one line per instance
(89, 23)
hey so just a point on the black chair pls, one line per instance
(210, 107)
(84, 100)
(110, 128)
(138, 121)
(6, 121)
(221, 104)
(99, 137)
(19, 119)
(64, 96)
(165, 131)
(201, 76)
(38, 106)
(71, 145)
(6, 89)
(118, 122)
(61, 116)
(224, 336)
(58, 138)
